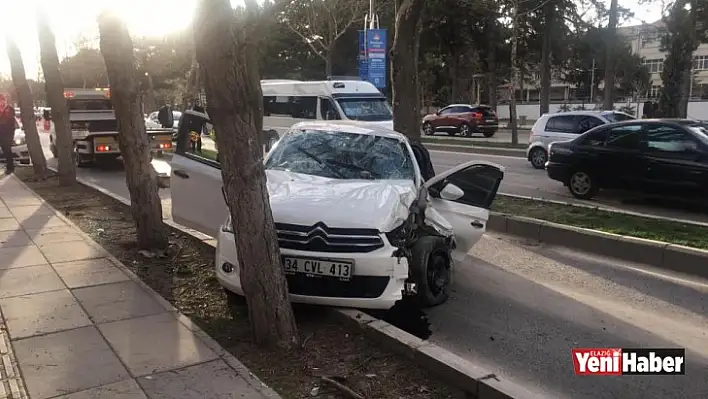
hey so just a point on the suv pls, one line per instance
(462, 118)
(361, 218)
(564, 127)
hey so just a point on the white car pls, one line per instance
(565, 126)
(151, 121)
(19, 146)
(357, 224)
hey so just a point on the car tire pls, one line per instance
(431, 269)
(78, 161)
(582, 185)
(466, 130)
(428, 129)
(488, 133)
(538, 158)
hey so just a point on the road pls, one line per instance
(519, 309)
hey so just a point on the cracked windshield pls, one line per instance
(354, 199)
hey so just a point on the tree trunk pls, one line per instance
(145, 205)
(455, 91)
(609, 103)
(55, 96)
(24, 98)
(228, 58)
(514, 75)
(492, 82)
(404, 68)
(545, 92)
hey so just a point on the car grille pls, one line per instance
(320, 238)
(357, 287)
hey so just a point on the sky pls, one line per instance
(71, 19)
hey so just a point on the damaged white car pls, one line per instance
(357, 223)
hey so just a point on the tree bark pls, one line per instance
(55, 96)
(492, 81)
(145, 205)
(545, 92)
(404, 68)
(514, 75)
(227, 55)
(24, 98)
(609, 103)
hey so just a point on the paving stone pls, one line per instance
(111, 302)
(54, 235)
(153, 344)
(83, 273)
(128, 389)
(67, 362)
(41, 221)
(213, 380)
(4, 212)
(68, 251)
(23, 212)
(9, 224)
(28, 280)
(42, 313)
(15, 257)
(14, 238)
(20, 199)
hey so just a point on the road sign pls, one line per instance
(376, 41)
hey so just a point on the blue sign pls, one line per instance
(376, 57)
(362, 59)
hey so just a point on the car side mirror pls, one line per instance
(437, 112)
(451, 192)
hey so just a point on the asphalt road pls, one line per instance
(518, 309)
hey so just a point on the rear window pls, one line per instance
(618, 117)
(90, 105)
(485, 111)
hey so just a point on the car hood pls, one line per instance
(372, 204)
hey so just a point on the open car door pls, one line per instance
(195, 182)
(463, 196)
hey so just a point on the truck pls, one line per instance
(94, 128)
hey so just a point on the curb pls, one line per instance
(463, 374)
(659, 254)
(222, 353)
(509, 152)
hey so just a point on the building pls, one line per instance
(645, 41)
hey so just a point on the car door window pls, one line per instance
(561, 124)
(623, 137)
(665, 139)
(192, 145)
(446, 111)
(595, 138)
(328, 110)
(479, 183)
(587, 122)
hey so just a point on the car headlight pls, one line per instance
(228, 227)
(19, 141)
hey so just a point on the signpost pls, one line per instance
(376, 57)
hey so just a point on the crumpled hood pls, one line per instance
(372, 204)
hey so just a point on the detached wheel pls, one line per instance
(466, 130)
(538, 158)
(428, 129)
(431, 269)
(582, 185)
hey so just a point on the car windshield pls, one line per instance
(366, 109)
(617, 117)
(702, 131)
(342, 155)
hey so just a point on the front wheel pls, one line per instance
(428, 129)
(582, 185)
(538, 158)
(466, 130)
(431, 269)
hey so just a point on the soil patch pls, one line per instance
(188, 281)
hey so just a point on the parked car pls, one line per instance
(565, 126)
(462, 118)
(357, 223)
(650, 155)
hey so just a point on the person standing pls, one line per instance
(7, 133)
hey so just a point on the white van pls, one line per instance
(287, 102)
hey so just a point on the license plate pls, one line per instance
(104, 140)
(490, 120)
(340, 269)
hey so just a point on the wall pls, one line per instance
(696, 109)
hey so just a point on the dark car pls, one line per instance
(462, 118)
(668, 157)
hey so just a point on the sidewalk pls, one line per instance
(76, 325)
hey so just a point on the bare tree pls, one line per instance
(25, 100)
(145, 205)
(609, 100)
(514, 72)
(321, 23)
(227, 54)
(55, 97)
(404, 68)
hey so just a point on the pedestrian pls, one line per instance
(165, 116)
(7, 133)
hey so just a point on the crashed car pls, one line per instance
(19, 146)
(357, 223)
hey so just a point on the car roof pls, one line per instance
(676, 121)
(586, 112)
(351, 127)
(467, 105)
